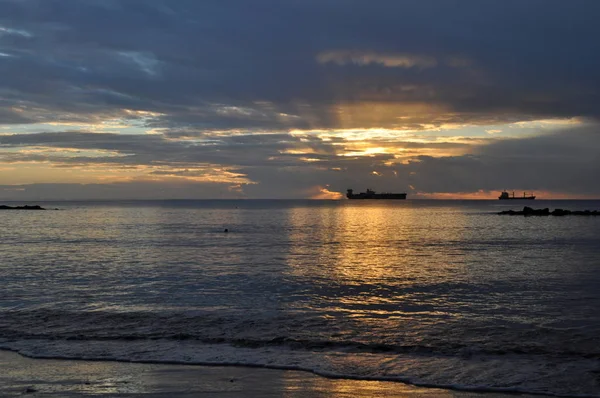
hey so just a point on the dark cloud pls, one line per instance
(8, 116)
(247, 150)
(127, 190)
(225, 150)
(228, 84)
(234, 64)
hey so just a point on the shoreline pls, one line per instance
(25, 376)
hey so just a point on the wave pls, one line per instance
(461, 350)
(290, 331)
(355, 366)
(494, 358)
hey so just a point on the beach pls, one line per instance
(21, 376)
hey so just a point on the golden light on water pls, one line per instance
(365, 229)
(301, 385)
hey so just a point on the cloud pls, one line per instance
(292, 166)
(291, 97)
(566, 162)
(389, 60)
(366, 58)
(124, 190)
(15, 32)
(147, 63)
(193, 61)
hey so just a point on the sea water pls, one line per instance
(434, 293)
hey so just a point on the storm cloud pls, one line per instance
(273, 94)
(234, 64)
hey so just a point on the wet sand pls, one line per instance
(21, 376)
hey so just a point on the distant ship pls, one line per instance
(373, 195)
(505, 196)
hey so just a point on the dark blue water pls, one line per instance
(443, 293)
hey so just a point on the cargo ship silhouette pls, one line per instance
(373, 195)
(505, 196)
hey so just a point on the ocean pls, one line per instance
(433, 293)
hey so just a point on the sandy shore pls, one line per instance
(20, 376)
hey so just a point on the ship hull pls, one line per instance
(521, 198)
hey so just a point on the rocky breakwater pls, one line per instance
(528, 211)
(26, 207)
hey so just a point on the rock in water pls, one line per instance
(528, 211)
(26, 207)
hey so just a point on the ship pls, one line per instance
(505, 196)
(374, 195)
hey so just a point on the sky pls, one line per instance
(187, 99)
